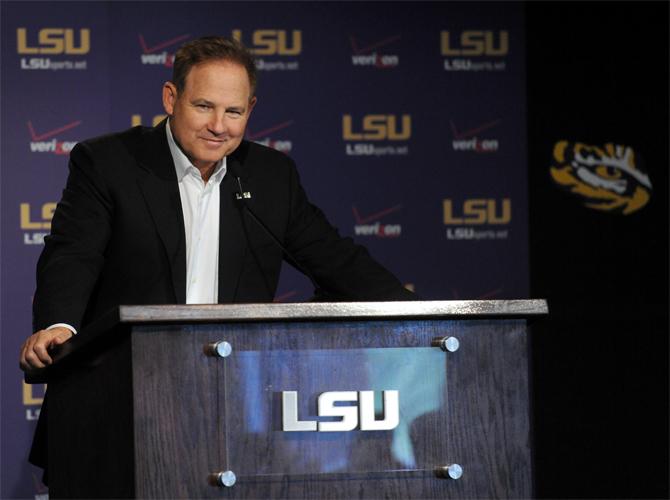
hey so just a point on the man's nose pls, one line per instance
(217, 124)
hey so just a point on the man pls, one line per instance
(152, 216)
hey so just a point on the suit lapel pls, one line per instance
(232, 239)
(158, 183)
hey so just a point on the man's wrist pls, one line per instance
(62, 325)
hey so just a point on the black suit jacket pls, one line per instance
(118, 234)
(118, 237)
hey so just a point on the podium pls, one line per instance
(315, 400)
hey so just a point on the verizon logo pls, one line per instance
(370, 225)
(469, 140)
(265, 137)
(152, 56)
(38, 144)
(368, 56)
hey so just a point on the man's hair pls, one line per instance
(211, 48)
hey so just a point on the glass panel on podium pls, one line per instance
(276, 402)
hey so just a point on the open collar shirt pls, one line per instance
(200, 202)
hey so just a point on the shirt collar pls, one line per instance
(183, 165)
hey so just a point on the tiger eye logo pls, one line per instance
(607, 178)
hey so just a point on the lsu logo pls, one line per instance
(361, 417)
(33, 395)
(36, 223)
(272, 42)
(43, 221)
(54, 41)
(377, 128)
(475, 43)
(605, 177)
(477, 211)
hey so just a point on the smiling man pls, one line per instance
(151, 216)
(210, 108)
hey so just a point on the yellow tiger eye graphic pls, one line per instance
(607, 178)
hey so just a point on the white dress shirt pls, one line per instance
(200, 205)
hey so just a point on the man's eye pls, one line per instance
(203, 106)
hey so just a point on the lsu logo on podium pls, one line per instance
(36, 222)
(362, 416)
(53, 42)
(458, 49)
(272, 42)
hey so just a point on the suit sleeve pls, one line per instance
(344, 270)
(73, 256)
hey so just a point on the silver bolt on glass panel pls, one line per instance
(226, 478)
(451, 471)
(450, 344)
(221, 349)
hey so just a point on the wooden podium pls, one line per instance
(426, 400)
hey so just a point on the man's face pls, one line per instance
(209, 116)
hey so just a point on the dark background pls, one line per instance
(597, 73)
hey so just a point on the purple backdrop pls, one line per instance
(407, 122)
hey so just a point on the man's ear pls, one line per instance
(169, 97)
(252, 103)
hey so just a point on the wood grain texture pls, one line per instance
(182, 432)
(175, 394)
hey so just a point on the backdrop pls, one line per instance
(407, 122)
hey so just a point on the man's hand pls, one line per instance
(34, 350)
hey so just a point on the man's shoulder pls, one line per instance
(126, 140)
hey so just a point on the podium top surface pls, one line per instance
(315, 311)
(445, 309)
